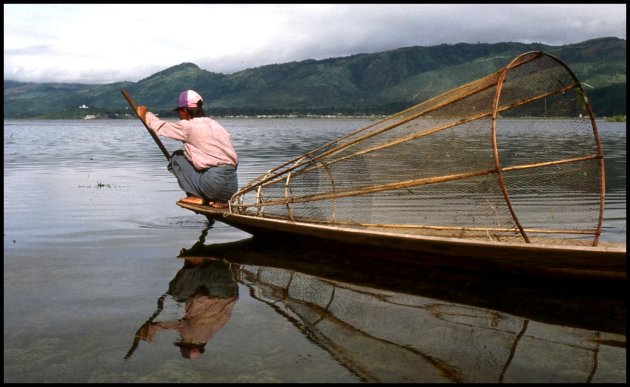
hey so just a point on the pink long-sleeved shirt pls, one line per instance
(206, 142)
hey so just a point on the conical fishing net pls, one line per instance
(514, 156)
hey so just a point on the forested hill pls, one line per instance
(381, 83)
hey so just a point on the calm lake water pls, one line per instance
(95, 251)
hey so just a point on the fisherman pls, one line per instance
(206, 167)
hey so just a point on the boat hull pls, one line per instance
(602, 262)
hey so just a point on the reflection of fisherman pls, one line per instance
(209, 291)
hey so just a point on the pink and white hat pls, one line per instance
(188, 98)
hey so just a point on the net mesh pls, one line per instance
(513, 156)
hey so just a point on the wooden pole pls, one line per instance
(134, 106)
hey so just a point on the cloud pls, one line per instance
(102, 43)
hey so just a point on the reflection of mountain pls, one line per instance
(380, 323)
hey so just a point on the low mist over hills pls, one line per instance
(382, 83)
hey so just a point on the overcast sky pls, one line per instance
(103, 43)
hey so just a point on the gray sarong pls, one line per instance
(214, 184)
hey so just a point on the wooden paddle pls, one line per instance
(134, 106)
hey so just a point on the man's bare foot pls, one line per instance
(192, 200)
(218, 205)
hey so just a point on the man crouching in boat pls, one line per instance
(206, 167)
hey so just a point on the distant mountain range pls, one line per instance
(381, 83)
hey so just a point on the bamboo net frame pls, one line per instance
(510, 156)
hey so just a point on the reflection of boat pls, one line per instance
(589, 304)
(390, 325)
(496, 173)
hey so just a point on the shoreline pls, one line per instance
(266, 116)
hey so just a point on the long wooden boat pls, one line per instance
(504, 172)
(605, 261)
